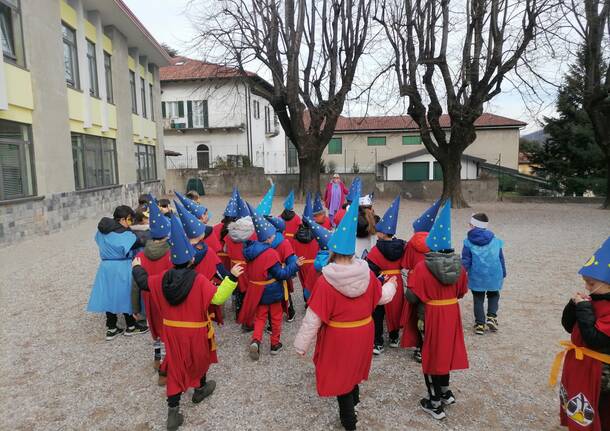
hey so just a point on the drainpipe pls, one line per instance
(248, 122)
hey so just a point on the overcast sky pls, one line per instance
(169, 23)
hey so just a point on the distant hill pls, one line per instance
(538, 136)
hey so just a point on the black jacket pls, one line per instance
(107, 225)
(584, 315)
(392, 250)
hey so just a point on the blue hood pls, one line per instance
(479, 236)
(252, 249)
(277, 240)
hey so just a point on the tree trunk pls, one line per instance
(606, 204)
(452, 184)
(309, 175)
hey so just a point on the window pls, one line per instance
(147, 162)
(267, 119)
(411, 140)
(92, 64)
(94, 160)
(132, 86)
(70, 56)
(108, 73)
(292, 157)
(12, 36)
(203, 157)
(16, 166)
(256, 108)
(335, 146)
(375, 140)
(437, 172)
(172, 110)
(152, 102)
(143, 96)
(415, 171)
(197, 111)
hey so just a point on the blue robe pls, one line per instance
(112, 286)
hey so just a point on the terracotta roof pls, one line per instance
(421, 152)
(186, 69)
(402, 122)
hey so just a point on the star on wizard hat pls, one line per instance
(264, 208)
(289, 201)
(439, 237)
(343, 240)
(192, 206)
(264, 229)
(192, 226)
(321, 234)
(388, 222)
(598, 266)
(318, 206)
(231, 208)
(352, 189)
(182, 250)
(159, 224)
(426, 220)
(308, 211)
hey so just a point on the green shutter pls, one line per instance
(181, 109)
(335, 146)
(415, 171)
(204, 107)
(411, 140)
(376, 140)
(438, 171)
(189, 113)
(163, 114)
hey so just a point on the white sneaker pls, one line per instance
(377, 350)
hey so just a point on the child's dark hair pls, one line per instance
(139, 217)
(143, 200)
(164, 202)
(192, 195)
(481, 217)
(226, 221)
(123, 211)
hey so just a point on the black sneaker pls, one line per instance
(377, 349)
(479, 329)
(448, 398)
(203, 392)
(276, 348)
(255, 350)
(291, 314)
(435, 411)
(417, 355)
(394, 343)
(111, 334)
(136, 329)
(492, 323)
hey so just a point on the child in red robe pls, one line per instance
(266, 291)
(384, 259)
(319, 213)
(221, 229)
(585, 382)
(286, 253)
(339, 319)
(305, 245)
(439, 282)
(322, 237)
(292, 219)
(183, 297)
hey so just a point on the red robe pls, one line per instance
(154, 267)
(284, 250)
(394, 308)
(328, 193)
(213, 242)
(444, 349)
(339, 216)
(207, 268)
(189, 351)
(292, 226)
(580, 382)
(415, 252)
(307, 273)
(326, 223)
(257, 271)
(235, 250)
(343, 355)
(222, 254)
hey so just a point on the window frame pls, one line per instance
(94, 83)
(151, 98)
(150, 157)
(98, 145)
(335, 140)
(73, 46)
(256, 108)
(419, 164)
(407, 138)
(108, 77)
(143, 97)
(26, 157)
(17, 57)
(133, 91)
(370, 139)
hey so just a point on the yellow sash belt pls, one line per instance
(391, 272)
(579, 353)
(440, 302)
(240, 262)
(289, 235)
(273, 280)
(309, 261)
(354, 324)
(203, 324)
(222, 254)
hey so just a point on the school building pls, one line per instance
(80, 119)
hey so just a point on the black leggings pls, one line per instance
(111, 319)
(378, 318)
(174, 400)
(347, 413)
(437, 386)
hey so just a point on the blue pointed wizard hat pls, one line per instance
(231, 208)
(598, 266)
(192, 226)
(192, 206)
(318, 206)
(264, 229)
(343, 240)
(308, 211)
(321, 234)
(425, 221)
(264, 208)
(289, 201)
(388, 222)
(159, 224)
(439, 237)
(278, 223)
(243, 208)
(182, 251)
(352, 189)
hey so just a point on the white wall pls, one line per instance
(220, 144)
(394, 171)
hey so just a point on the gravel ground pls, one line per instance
(58, 373)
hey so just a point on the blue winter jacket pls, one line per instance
(483, 259)
(274, 292)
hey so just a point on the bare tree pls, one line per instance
(457, 55)
(310, 48)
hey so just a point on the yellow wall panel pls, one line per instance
(90, 32)
(18, 86)
(131, 63)
(107, 44)
(112, 116)
(17, 113)
(150, 78)
(68, 14)
(75, 105)
(136, 122)
(142, 72)
(77, 127)
(149, 130)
